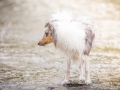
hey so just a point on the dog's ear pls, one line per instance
(50, 26)
(46, 24)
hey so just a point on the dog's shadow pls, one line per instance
(77, 86)
(72, 86)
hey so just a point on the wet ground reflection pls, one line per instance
(26, 66)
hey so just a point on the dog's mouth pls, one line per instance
(45, 43)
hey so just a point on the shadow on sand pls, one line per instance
(72, 86)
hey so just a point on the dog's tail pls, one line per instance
(64, 16)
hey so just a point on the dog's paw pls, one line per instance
(82, 78)
(65, 82)
(88, 82)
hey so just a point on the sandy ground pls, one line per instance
(26, 66)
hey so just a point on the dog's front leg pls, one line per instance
(67, 77)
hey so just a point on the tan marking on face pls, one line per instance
(46, 40)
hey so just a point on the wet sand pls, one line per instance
(26, 66)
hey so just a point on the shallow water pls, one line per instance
(26, 66)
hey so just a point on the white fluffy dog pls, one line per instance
(74, 36)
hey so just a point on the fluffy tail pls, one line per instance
(62, 16)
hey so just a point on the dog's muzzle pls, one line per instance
(41, 44)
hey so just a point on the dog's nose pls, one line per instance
(38, 43)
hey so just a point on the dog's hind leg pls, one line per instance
(87, 70)
(67, 77)
(81, 77)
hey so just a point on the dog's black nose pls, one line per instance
(38, 43)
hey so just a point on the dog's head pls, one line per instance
(47, 38)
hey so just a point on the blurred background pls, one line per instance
(25, 65)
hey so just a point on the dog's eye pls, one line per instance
(50, 33)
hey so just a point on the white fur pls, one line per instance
(62, 16)
(71, 40)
